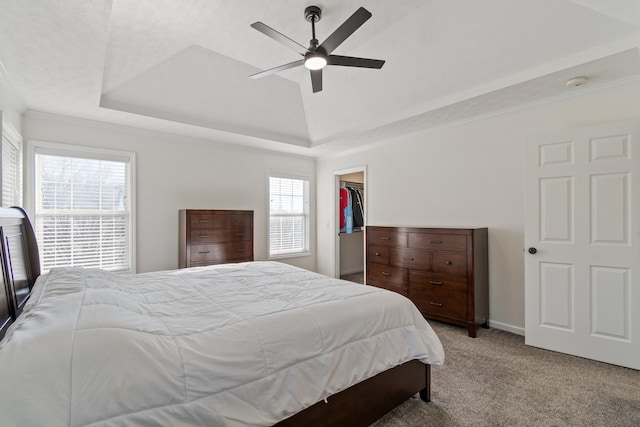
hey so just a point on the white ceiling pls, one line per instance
(182, 66)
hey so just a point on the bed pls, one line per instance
(260, 343)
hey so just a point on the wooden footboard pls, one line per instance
(19, 264)
(365, 402)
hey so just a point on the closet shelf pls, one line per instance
(354, 231)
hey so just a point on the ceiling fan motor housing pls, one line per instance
(312, 13)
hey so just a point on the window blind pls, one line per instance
(82, 212)
(11, 174)
(288, 222)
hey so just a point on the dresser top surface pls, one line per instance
(439, 228)
(218, 211)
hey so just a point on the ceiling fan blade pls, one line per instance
(316, 80)
(277, 69)
(350, 61)
(347, 28)
(281, 38)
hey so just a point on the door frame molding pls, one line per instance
(335, 229)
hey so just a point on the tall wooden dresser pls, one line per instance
(214, 237)
(444, 271)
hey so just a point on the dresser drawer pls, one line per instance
(441, 242)
(440, 304)
(410, 258)
(386, 274)
(401, 289)
(437, 283)
(222, 252)
(449, 263)
(215, 220)
(220, 235)
(378, 254)
(386, 238)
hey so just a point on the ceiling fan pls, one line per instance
(317, 56)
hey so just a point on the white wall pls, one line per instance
(351, 253)
(467, 175)
(176, 173)
(11, 104)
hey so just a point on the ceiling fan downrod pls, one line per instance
(313, 14)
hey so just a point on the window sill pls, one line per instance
(291, 255)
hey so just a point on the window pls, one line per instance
(83, 204)
(288, 216)
(11, 166)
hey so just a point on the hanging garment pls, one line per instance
(344, 200)
(348, 215)
(360, 196)
(356, 207)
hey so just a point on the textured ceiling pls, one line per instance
(182, 66)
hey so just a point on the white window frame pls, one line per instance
(13, 137)
(307, 214)
(54, 148)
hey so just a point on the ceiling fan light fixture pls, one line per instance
(315, 61)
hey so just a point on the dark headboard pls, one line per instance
(20, 263)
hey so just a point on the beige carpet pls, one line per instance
(495, 380)
(355, 277)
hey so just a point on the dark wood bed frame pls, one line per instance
(365, 402)
(359, 405)
(20, 263)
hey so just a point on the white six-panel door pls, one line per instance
(582, 223)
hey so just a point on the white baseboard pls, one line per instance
(352, 271)
(506, 327)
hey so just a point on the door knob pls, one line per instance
(532, 250)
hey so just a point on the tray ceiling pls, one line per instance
(182, 66)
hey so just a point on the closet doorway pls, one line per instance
(350, 198)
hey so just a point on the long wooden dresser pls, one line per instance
(444, 271)
(214, 237)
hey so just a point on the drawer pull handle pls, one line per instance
(437, 304)
(406, 258)
(384, 273)
(436, 242)
(204, 220)
(204, 252)
(238, 220)
(433, 282)
(377, 253)
(203, 236)
(239, 250)
(448, 262)
(385, 238)
(239, 234)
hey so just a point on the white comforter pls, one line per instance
(238, 344)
